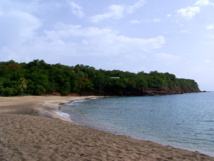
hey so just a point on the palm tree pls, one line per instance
(22, 85)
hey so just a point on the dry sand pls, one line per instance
(31, 130)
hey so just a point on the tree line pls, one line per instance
(38, 78)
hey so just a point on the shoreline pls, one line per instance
(32, 130)
(164, 143)
(53, 107)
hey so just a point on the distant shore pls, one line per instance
(31, 129)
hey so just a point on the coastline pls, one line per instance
(32, 130)
(52, 108)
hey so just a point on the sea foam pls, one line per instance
(63, 114)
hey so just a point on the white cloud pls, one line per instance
(76, 9)
(66, 42)
(210, 43)
(28, 23)
(135, 21)
(185, 31)
(118, 11)
(102, 40)
(137, 5)
(203, 3)
(208, 61)
(199, 69)
(168, 15)
(170, 59)
(17, 27)
(188, 12)
(156, 20)
(210, 27)
(114, 11)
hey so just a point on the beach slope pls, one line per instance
(30, 129)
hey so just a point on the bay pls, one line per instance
(185, 121)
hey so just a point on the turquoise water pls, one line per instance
(184, 121)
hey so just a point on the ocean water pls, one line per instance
(185, 121)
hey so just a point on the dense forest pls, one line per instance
(38, 78)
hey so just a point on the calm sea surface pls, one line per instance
(184, 121)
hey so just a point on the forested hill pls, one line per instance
(38, 78)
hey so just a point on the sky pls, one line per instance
(129, 35)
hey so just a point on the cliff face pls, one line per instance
(157, 85)
(152, 92)
(148, 92)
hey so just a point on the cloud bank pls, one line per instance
(76, 9)
(117, 11)
(189, 12)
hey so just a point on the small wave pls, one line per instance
(210, 129)
(208, 120)
(71, 103)
(76, 101)
(63, 114)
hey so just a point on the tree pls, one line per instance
(22, 85)
(38, 77)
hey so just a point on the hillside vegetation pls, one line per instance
(38, 78)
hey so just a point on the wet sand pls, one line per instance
(30, 129)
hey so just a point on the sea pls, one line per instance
(184, 121)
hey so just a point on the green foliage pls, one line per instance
(22, 85)
(8, 91)
(38, 77)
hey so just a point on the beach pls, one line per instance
(31, 129)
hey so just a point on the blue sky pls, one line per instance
(130, 35)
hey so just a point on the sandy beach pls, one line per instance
(30, 129)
